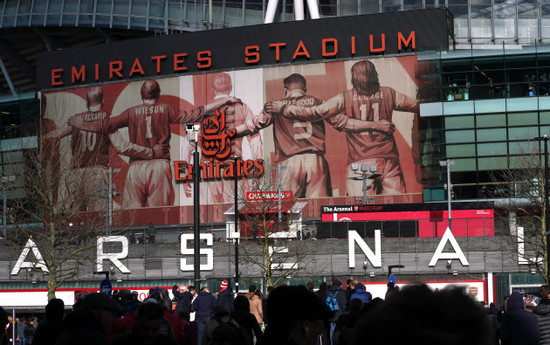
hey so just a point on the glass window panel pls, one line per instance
(13, 156)
(69, 7)
(528, 9)
(545, 8)
(121, 7)
(486, 64)
(104, 6)
(53, 20)
(412, 4)
(496, 134)
(492, 149)
(55, 6)
(522, 147)
(492, 120)
(120, 22)
(175, 10)
(459, 136)
(25, 6)
(518, 119)
(459, 122)
(85, 20)
(518, 162)
(468, 164)
(39, 6)
(156, 9)
(544, 130)
(521, 61)
(37, 20)
(458, 65)
(86, 6)
(156, 24)
(139, 7)
(69, 20)
(545, 117)
(369, 7)
(391, 5)
(460, 150)
(489, 163)
(137, 22)
(102, 20)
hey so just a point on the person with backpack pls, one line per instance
(336, 301)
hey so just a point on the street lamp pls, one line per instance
(545, 139)
(193, 130)
(367, 172)
(237, 232)
(448, 163)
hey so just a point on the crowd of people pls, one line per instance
(288, 315)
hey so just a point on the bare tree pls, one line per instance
(271, 243)
(53, 194)
(520, 183)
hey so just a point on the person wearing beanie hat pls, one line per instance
(225, 297)
(296, 316)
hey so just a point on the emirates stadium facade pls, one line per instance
(350, 175)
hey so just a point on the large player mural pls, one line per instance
(315, 120)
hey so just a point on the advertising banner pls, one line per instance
(316, 122)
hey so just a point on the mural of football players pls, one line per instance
(375, 104)
(300, 144)
(149, 182)
(90, 150)
(220, 191)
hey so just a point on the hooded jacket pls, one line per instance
(360, 293)
(542, 312)
(519, 327)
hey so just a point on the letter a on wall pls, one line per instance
(458, 254)
(21, 263)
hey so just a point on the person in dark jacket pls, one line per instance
(90, 324)
(225, 297)
(542, 312)
(245, 319)
(296, 316)
(519, 327)
(203, 305)
(337, 297)
(184, 298)
(360, 293)
(150, 317)
(50, 328)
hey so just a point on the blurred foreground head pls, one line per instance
(418, 315)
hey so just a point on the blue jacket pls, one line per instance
(204, 305)
(361, 294)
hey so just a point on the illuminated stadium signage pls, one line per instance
(281, 43)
